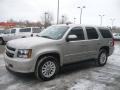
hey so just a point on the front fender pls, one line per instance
(40, 53)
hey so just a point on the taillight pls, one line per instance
(113, 42)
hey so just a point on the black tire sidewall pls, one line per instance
(98, 60)
(40, 64)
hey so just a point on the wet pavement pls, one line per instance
(80, 76)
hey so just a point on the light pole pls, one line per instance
(45, 18)
(74, 20)
(112, 22)
(63, 19)
(101, 19)
(81, 10)
(58, 13)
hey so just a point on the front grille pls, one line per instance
(9, 54)
(10, 48)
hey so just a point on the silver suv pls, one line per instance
(58, 45)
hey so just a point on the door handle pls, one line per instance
(98, 43)
(82, 45)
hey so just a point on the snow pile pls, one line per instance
(6, 79)
(83, 84)
(117, 49)
(1, 56)
(115, 58)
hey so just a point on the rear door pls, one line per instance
(25, 32)
(11, 35)
(7, 35)
(93, 42)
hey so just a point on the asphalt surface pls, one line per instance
(2, 48)
(80, 76)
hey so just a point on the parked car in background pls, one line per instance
(3, 36)
(2, 32)
(29, 31)
(116, 36)
(56, 46)
(16, 33)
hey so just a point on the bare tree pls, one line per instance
(11, 20)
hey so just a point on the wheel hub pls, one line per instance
(48, 69)
(103, 58)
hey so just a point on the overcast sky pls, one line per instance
(33, 10)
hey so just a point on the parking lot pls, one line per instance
(83, 76)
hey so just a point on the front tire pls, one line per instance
(102, 58)
(47, 69)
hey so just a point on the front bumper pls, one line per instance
(19, 64)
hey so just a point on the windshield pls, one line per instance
(54, 32)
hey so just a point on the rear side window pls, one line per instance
(105, 33)
(91, 33)
(13, 31)
(36, 30)
(25, 30)
(78, 31)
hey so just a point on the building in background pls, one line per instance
(7, 25)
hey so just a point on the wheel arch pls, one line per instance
(55, 54)
(106, 48)
(1, 38)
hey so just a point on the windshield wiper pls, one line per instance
(46, 37)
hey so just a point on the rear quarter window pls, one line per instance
(13, 31)
(91, 33)
(36, 30)
(105, 33)
(25, 30)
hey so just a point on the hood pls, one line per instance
(27, 43)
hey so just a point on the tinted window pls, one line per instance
(25, 30)
(92, 33)
(13, 31)
(78, 31)
(105, 33)
(36, 30)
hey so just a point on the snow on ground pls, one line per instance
(2, 48)
(115, 58)
(1, 56)
(1, 61)
(84, 84)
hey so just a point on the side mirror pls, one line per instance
(71, 38)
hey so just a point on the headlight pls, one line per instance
(24, 53)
